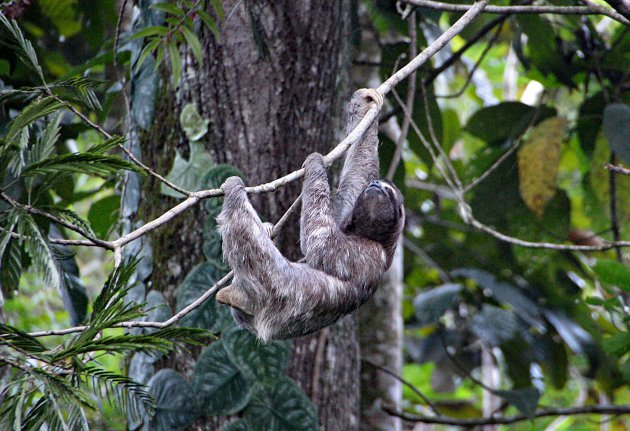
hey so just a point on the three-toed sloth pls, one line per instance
(348, 243)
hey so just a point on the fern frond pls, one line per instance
(122, 392)
(34, 110)
(78, 89)
(105, 146)
(82, 163)
(11, 36)
(69, 216)
(45, 144)
(39, 249)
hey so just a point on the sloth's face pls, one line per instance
(378, 213)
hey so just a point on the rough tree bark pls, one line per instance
(273, 87)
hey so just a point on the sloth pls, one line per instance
(348, 242)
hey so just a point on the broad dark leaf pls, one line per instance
(256, 361)
(494, 325)
(430, 305)
(176, 405)
(526, 399)
(221, 387)
(507, 120)
(617, 129)
(281, 406)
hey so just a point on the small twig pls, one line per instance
(405, 382)
(36, 211)
(504, 420)
(427, 259)
(59, 241)
(317, 363)
(547, 245)
(614, 220)
(181, 21)
(617, 169)
(472, 71)
(436, 143)
(432, 49)
(118, 25)
(612, 13)
(557, 10)
(411, 92)
(460, 52)
(128, 152)
(495, 165)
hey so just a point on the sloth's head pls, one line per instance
(378, 213)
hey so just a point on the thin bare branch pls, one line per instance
(128, 152)
(432, 49)
(411, 92)
(36, 211)
(405, 382)
(557, 10)
(59, 241)
(504, 420)
(617, 169)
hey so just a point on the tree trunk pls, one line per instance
(274, 88)
(380, 335)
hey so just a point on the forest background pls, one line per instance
(506, 126)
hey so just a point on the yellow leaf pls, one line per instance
(538, 160)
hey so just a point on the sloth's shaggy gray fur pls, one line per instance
(348, 243)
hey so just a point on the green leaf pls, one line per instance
(525, 399)
(103, 214)
(613, 273)
(169, 8)
(193, 44)
(429, 306)
(176, 406)
(176, 63)
(617, 129)
(218, 383)
(193, 124)
(258, 362)
(494, 325)
(62, 14)
(188, 174)
(618, 344)
(73, 292)
(146, 51)
(281, 406)
(154, 30)
(546, 56)
(210, 23)
(515, 118)
(218, 9)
